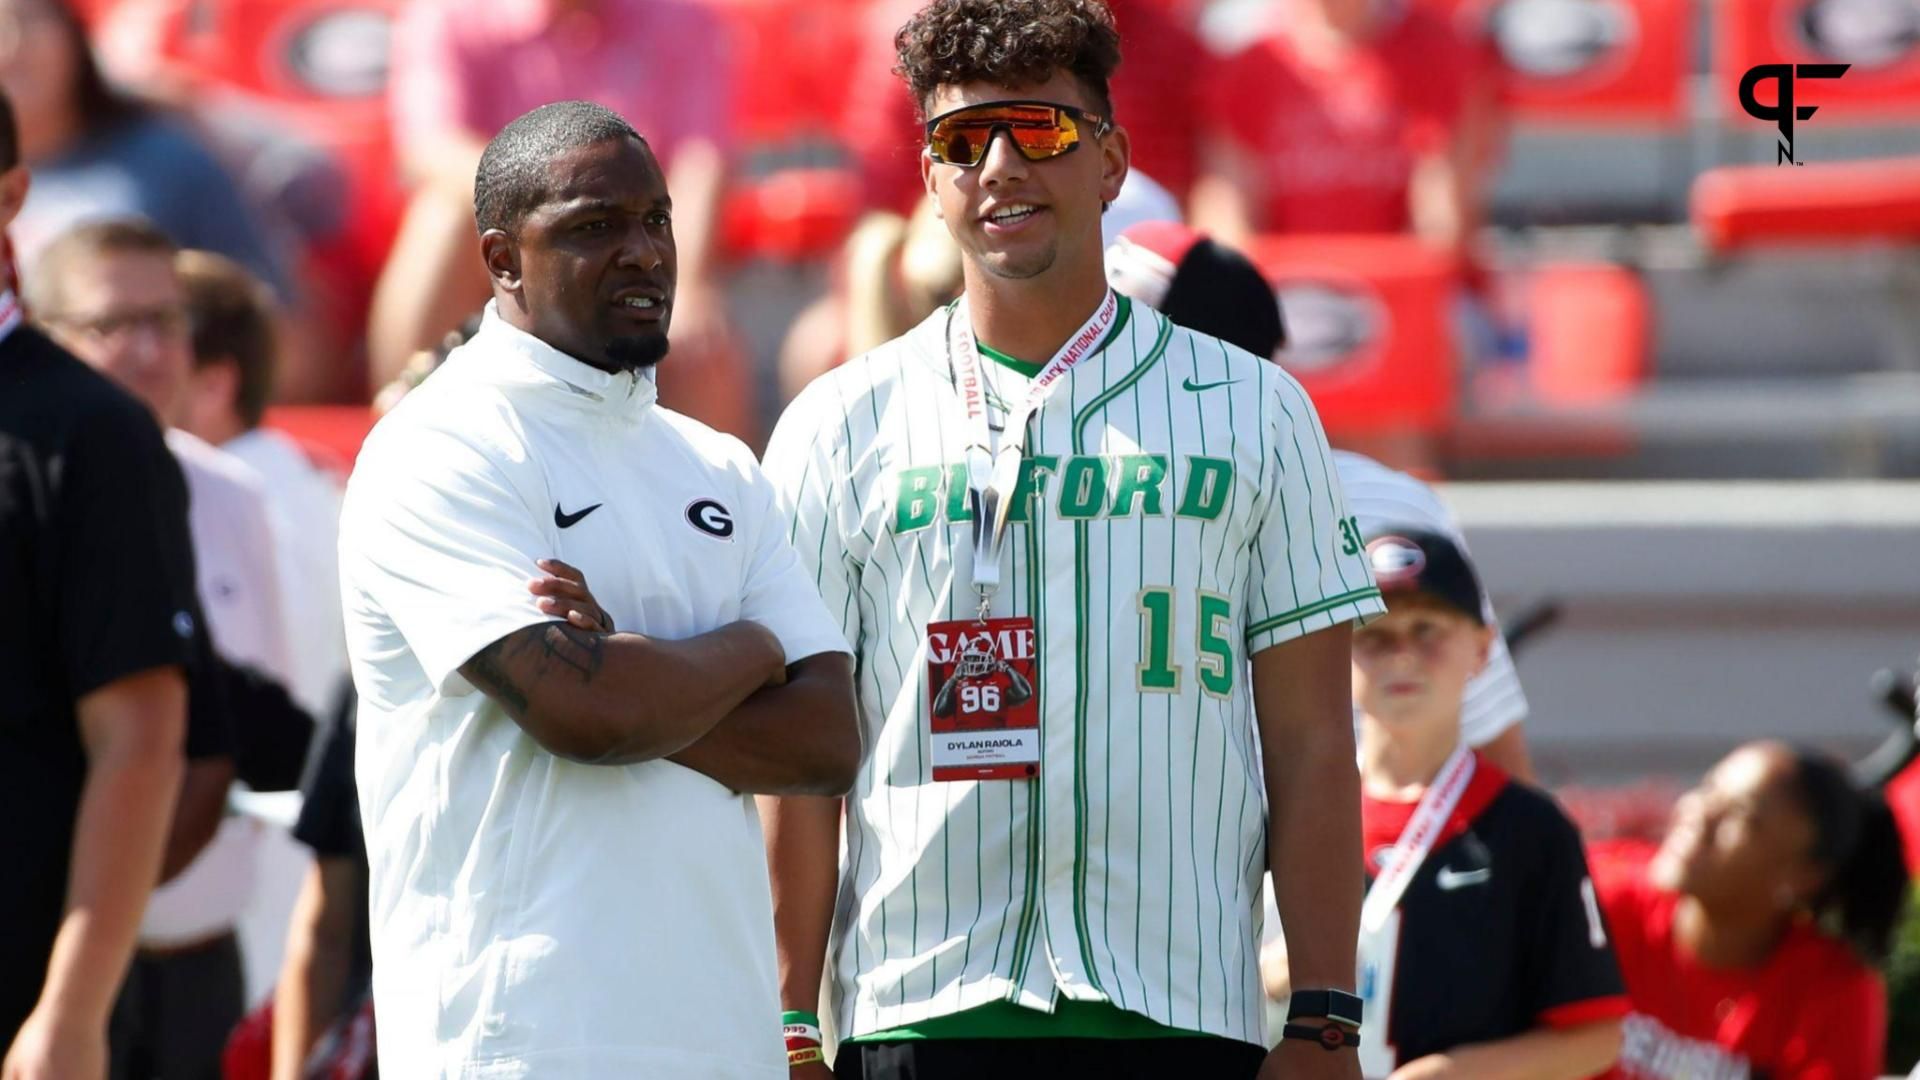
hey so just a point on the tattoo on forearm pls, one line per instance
(534, 653)
(486, 672)
(582, 651)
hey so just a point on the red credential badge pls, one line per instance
(984, 714)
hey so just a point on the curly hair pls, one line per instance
(1008, 43)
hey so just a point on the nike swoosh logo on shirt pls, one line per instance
(1450, 879)
(1189, 384)
(568, 521)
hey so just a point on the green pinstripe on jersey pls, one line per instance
(1083, 629)
(1030, 908)
(1128, 869)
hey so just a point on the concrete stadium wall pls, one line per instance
(1698, 616)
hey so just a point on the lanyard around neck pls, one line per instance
(993, 473)
(1417, 840)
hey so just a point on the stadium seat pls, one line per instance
(1597, 93)
(1880, 39)
(1586, 61)
(1370, 337)
(1743, 206)
(1589, 333)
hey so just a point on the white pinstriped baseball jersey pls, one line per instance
(1380, 496)
(1177, 511)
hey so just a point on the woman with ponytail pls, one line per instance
(1749, 943)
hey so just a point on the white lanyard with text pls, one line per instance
(993, 474)
(1416, 841)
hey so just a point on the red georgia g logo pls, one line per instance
(1395, 560)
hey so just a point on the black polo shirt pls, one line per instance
(330, 824)
(96, 570)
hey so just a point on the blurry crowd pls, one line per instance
(333, 158)
(184, 234)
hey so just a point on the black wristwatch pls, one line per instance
(1341, 1010)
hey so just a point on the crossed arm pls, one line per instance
(725, 703)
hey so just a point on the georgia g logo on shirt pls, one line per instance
(711, 518)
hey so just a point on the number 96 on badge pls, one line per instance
(983, 715)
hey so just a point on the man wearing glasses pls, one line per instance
(1044, 486)
(109, 292)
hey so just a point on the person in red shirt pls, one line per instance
(1749, 941)
(1903, 798)
(1155, 97)
(1346, 116)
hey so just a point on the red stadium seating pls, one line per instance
(1742, 206)
(1883, 83)
(1587, 61)
(1589, 329)
(1369, 330)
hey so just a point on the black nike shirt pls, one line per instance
(1498, 931)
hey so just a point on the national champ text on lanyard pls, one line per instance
(984, 718)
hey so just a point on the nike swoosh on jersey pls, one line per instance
(1450, 879)
(568, 521)
(1189, 384)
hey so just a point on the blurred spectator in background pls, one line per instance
(99, 153)
(1156, 97)
(234, 360)
(1750, 940)
(462, 71)
(292, 98)
(1494, 705)
(1347, 116)
(1142, 199)
(97, 569)
(424, 363)
(326, 980)
(1469, 870)
(110, 293)
(1198, 283)
(894, 272)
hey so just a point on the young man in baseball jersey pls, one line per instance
(566, 878)
(1056, 528)
(1470, 872)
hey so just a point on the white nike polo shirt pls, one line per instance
(533, 917)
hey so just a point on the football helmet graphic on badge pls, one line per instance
(977, 661)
